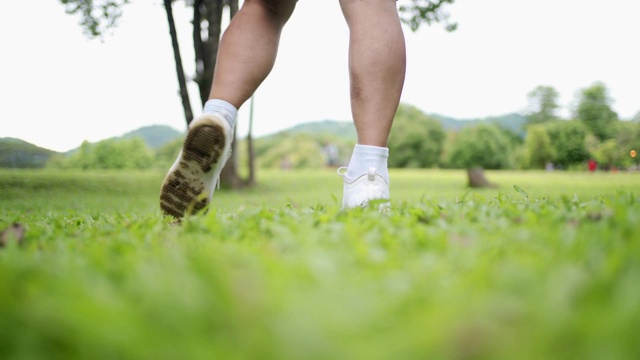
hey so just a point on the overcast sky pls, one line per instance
(59, 88)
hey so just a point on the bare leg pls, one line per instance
(245, 58)
(248, 49)
(377, 62)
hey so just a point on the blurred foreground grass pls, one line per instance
(547, 270)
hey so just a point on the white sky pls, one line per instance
(59, 88)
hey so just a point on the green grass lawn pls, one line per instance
(546, 269)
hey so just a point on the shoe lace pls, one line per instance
(342, 171)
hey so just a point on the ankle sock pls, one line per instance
(365, 157)
(222, 108)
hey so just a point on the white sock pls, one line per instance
(365, 157)
(222, 108)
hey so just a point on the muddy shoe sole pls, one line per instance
(187, 187)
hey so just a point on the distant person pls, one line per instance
(549, 166)
(331, 154)
(377, 61)
(593, 165)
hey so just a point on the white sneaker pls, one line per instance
(190, 183)
(366, 188)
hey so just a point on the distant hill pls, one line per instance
(345, 129)
(16, 153)
(513, 122)
(341, 129)
(155, 136)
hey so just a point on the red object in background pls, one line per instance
(592, 165)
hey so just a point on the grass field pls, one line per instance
(546, 269)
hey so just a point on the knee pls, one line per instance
(279, 10)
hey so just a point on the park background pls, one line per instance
(542, 264)
(94, 89)
(573, 75)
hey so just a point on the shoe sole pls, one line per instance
(183, 189)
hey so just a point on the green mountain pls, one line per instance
(341, 129)
(345, 129)
(155, 136)
(513, 122)
(16, 153)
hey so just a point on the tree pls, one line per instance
(96, 17)
(611, 155)
(416, 140)
(538, 146)
(420, 12)
(568, 139)
(543, 103)
(594, 110)
(483, 146)
(83, 157)
(295, 151)
(627, 133)
(182, 82)
(627, 138)
(131, 153)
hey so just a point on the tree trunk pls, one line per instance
(182, 82)
(478, 180)
(209, 14)
(199, 46)
(251, 180)
(233, 7)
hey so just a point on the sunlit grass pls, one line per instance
(138, 191)
(548, 269)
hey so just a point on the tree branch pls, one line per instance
(426, 11)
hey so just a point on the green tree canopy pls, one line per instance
(484, 146)
(628, 135)
(96, 16)
(568, 139)
(627, 138)
(290, 151)
(543, 103)
(538, 147)
(610, 154)
(416, 140)
(594, 110)
(419, 12)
